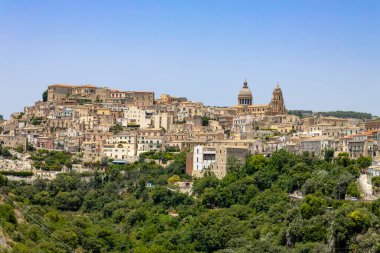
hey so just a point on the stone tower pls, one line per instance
(277, 104)
(245, 95)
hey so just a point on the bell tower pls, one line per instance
(277, 104)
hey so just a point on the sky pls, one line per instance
(325, 54)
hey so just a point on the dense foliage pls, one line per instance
(17, 173)
(51, 160)
(301, 113)
(163, 156)
(36, 121)
(45, 96)
(136, 208)
(347, 114)
(5, 153)
(338, 114)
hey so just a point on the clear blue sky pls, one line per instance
(325, 54)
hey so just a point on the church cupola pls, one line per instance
(245, 95)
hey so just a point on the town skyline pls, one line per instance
(323, 53)
(260, 100)
(190, 126)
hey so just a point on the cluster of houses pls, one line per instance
(98, 123)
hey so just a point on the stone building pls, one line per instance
(246, 106)
(213, 159)
(317, 144)
(57, 92)
(372, 124)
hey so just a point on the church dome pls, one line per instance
(245, 95)
(245, 91)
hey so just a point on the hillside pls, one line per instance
(137, 208)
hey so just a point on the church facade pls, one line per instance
(246, 106)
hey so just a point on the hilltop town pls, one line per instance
(99, 124)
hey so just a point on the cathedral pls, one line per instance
(246, 106)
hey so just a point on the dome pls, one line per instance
(245, 91)
(245, 95)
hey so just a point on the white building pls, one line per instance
(204, 157)
(134, 116)
(242, 124)
(122, 146)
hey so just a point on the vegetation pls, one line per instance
(347, 114)
(1, 117)
(118, 128)
(36, 121)
(51, 160)
(172, 149)
(376, 181)
(4, 152)
(338, 114)
(45, 96)
(364, 162)
(17, 173)
(247, 211)
(164, 156)
(205, 121)
(300, 113)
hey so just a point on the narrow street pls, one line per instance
(366, 187)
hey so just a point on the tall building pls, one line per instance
(277, 104)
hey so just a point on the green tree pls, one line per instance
(45, 96)
(364, 162)
(205, 121)
(3, 180)
(68, 201)
(343, 159)
(328, 155)
(255, 163)
(313, 206)
(7, 213)
(353, 190)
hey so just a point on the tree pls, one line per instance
(45, 96)
(256, 162)
(205, 121)
(7, 213)
(313, 206)
(67, 236)
(364, 162)
(214, 230)
(201, 184)
(174, 179)
(329, 155)
(343, 159)
(360, 218)
(353, 190)
(68, 201)
(3, 180)
(117, 128)
(376, 181)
